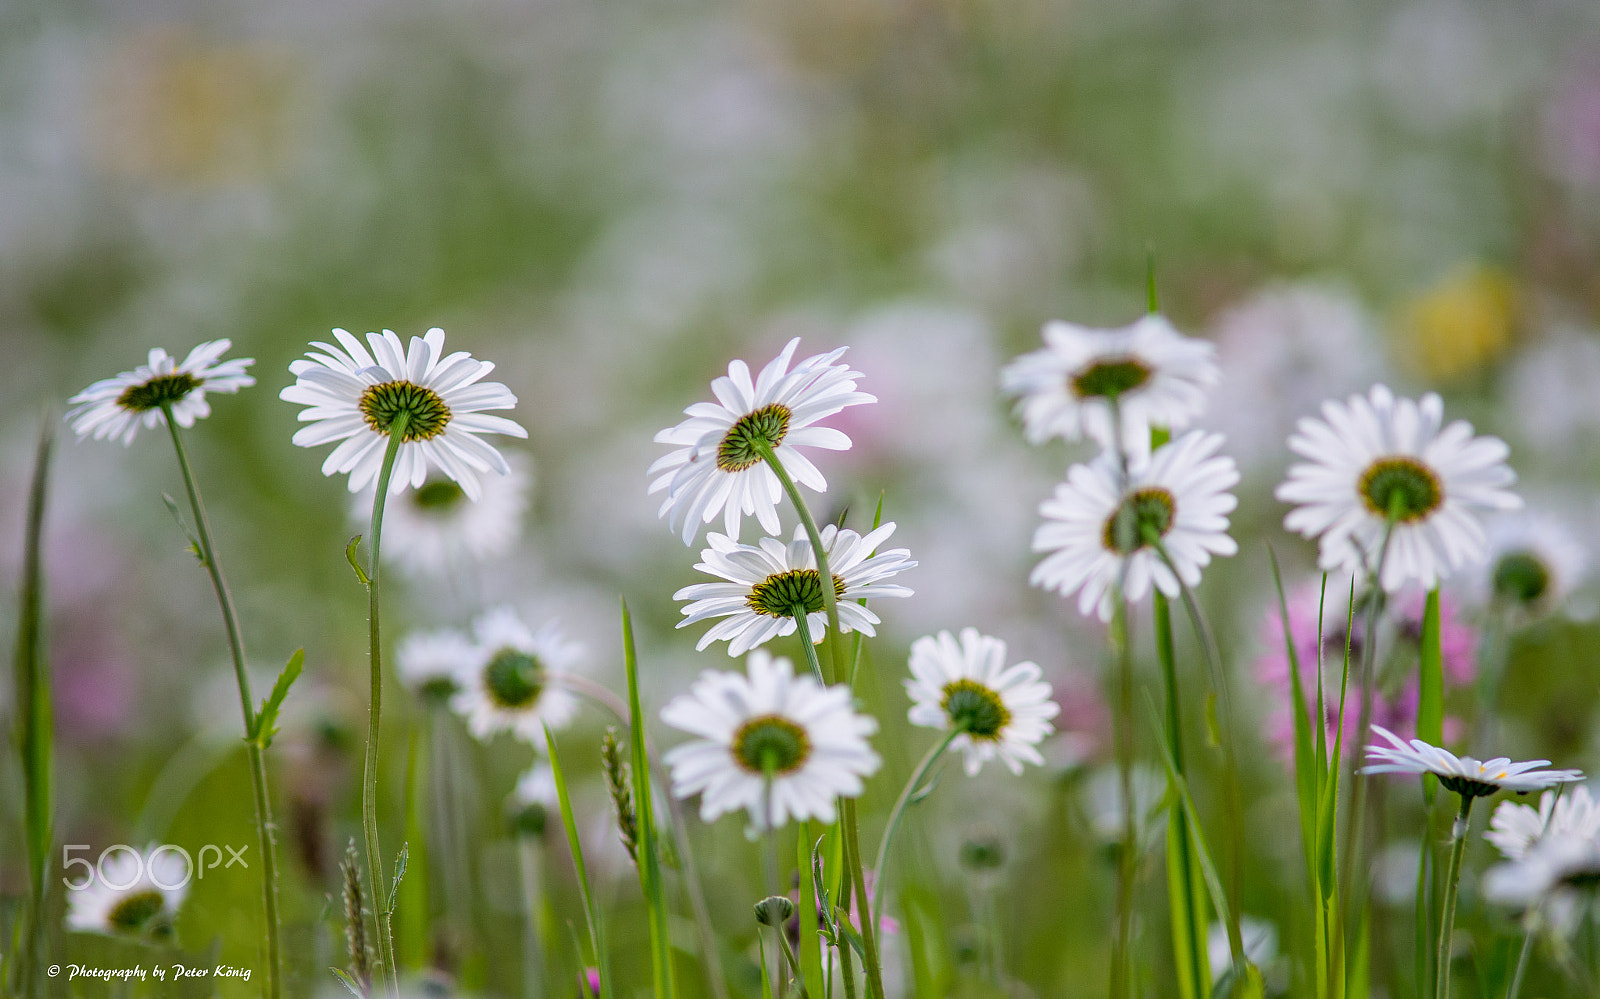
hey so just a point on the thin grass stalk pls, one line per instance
(648, 857)
(253, 741)
(597, 935)
(369, 778)
(1188, 921)
(35, 722)
(1121, 943)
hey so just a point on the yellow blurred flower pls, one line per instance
(1460, 325)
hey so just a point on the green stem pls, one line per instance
(1515, 989)
(1121, 945)
(903, 802)
(1452, 879)
(830, 600)
(869, 936)
(369, 777)
(1194, 921)
(35, 724)
(258, 765)
(802, 627)
(793, 961)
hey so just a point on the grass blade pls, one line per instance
(1185, 892)
(1430, 707)
(597, 935)
(1307, 781)
(35, 722)
(649, 851)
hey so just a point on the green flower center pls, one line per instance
(1143, 513)
(425, 411)
(1582, 879)
(1110, 377)
(742, 445)
(778, 595)
(771, 744)
(437, 688)
(1403, 488)
(162, 390)
(1521, 577)
(132, 913)
(513, 679)
(975, 709)
(438, 496)
(1467, 787)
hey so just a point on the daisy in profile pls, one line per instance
(1535, 562)
(439, 400)
(767, 585)
(1515, 828)
(1151, 373)
(1379, 467)
(431, 663)
(507, 685)
(131, 894)
(719, 466)
(1100, 529)
(1464, 775)
(778, 746)
(116, 407)
(1000, 711)
(429, 529)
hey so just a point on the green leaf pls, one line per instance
(649, 854)
(350, 556)
(349, 983)
(399, 876)
(811, 941)
(1307, 779)
(1203, 853)
(177, 515)
(1240, 981)
(597, 936)
(267, 717)
(34, 717)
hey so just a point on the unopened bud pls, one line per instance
(774, 910)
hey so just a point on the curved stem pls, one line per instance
(1452, 878)
(903, 802)
(369, 777)
(258, 765)
(830, 600)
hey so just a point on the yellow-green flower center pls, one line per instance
(162, 390)
(438, 496)
(1401, 487)
(778, 595)
(742, 445)
(133, 912)
(1109, 377)
(1521, 577)
(426, 414)
(1143, 513)
(771, 744)
(975, 709)
(514, 679)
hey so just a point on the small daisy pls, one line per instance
(1376, 459)
(356, 397)
(1535, 561)
(1156, 376)
(131, 894)
(1096, 528)
(431, 528)
(1516, 829)
(1464, 775)
(506, 685)
(115, 407)
(431, 663)
(718, 466)
(531, 802)
(1000, 711)
(767, 583)
(776, 745)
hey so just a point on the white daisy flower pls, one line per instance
(1535, 561)
(115, 407)
(356, 397)
(1156, 375)
(1097, 526)
(1558, 872)
(507, 684)
(1516, 829)
(1000, 711)
(767, 584)
(778, 746)
(431, 528)
(718, 466)
(131, 893)
(431, 662)
(1376, 458)
(1464, 775)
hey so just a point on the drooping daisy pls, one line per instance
(435, 526)
(1376, 459)
(131, 893)
(358, 398)
(1534, 561)
(115, 407)
(507, 685)
(1516, 828)
(718, 465)
(1000, 711)
(1464, 775)
(1156, 375)
(778, 746)
(768, 584)
(1097, 527)
(431, 662)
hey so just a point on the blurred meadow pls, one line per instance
(611, 201)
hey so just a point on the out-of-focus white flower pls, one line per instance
(1516, 828)
(507, 685)
(1550, 393)
(428, 529)
(130, 893)
(431, 663)
(1260, 945)
(1535, 562)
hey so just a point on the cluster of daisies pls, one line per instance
(778, 744)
